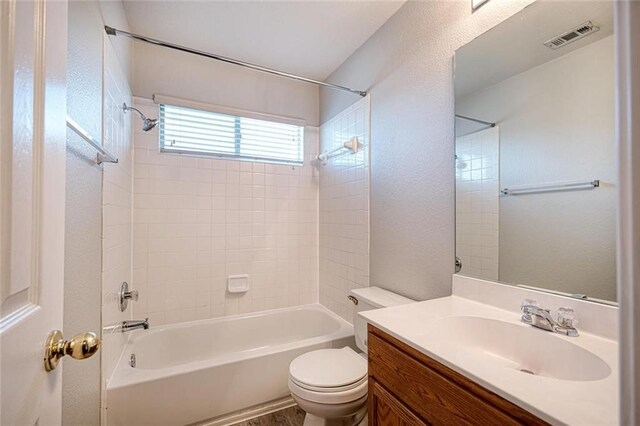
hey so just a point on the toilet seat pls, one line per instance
(327, 396)
(328, 368)
(329, 376)
(329, 389)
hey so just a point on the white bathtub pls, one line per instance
(200, 370)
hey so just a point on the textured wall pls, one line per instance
(344, 209)
(199, 220)
(557, 130)
(82, 278)
(408, 67)
(168, 72)
(83, 244)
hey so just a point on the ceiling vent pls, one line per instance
(572, 35)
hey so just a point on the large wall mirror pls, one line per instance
(535, 151)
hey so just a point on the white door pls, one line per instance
(33, 44)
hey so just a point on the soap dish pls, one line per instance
(238, 283)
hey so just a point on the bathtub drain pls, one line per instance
(132, 361)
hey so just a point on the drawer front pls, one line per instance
(426, 392)
(386, 410)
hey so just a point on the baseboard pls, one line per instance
(249, 413)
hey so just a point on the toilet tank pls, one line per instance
(365, 299)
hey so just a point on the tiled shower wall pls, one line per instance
(344, 209)
(199, 220)
(116, 207)
(477, 202)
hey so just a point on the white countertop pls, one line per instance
(556, 401)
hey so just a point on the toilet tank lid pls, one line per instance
(378, 297)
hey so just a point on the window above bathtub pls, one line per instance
(193, 128)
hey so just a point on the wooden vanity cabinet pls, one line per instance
(407, 388)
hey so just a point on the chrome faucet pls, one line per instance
(541, 318)
(134, 325)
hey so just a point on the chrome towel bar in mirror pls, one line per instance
(567, 186)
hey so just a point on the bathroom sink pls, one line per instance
(516, 347)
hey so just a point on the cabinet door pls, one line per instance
(434, 392)
(386, 410)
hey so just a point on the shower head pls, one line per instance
(147, 123)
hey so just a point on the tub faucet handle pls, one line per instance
(133, 295)
(124, 295)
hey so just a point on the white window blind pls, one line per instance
(197, 132)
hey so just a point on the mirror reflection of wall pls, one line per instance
(554, 115)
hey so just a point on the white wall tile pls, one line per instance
(202, 219)
(117, 210)
(477, 202)
(344, 210)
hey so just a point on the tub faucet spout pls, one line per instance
(135, 325)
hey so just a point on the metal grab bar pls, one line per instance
(103, 155)
(531, 189)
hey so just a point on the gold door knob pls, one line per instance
(81, 346)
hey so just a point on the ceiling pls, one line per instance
(516, 45)
(309, 38)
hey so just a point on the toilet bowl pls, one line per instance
(330, 385)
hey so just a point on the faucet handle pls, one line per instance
(133, 295)
(124, 295)
(567, 317)
(527, 307)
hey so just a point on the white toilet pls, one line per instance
(330, 385)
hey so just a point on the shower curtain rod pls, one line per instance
(116, 32)
(476, 120)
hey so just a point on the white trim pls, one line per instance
(163, 99)
(627, 38)
(18, 316)
(250, 413)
